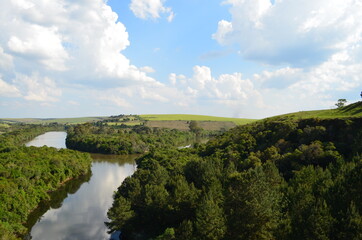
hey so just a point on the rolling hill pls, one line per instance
(349, 111)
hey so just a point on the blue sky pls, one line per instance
(234, 58)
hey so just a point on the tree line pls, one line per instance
(273, 179)
(98, 138)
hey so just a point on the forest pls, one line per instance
(98, 138)
(28, 175)
(279, 178)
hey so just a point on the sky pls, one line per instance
(231, 58)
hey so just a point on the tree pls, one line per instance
(194, 127)
(253, 203)
(341, 103)
(210, 222)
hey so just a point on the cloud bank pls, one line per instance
(298, 33)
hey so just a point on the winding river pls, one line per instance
(78, 210)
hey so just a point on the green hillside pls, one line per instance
(352, 110)
(189, 117)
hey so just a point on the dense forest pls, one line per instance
(98, 138)
(273, 179)
(29, 174)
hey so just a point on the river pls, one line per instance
(78, 210)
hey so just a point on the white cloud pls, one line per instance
(8, 90)
(6, 60)
(171, 17)
(151, 94)
(298, 33)
(116, 100)
(147, 69)
(224, 28)
(151, 9)
(71, 42)
(294, 89)
(336, 74)
(37, 88)
(42, 44)
(226, 90)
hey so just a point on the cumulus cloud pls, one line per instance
(338, 73)
(227, 91)
(299, 33)
(8, 90)
(291, 89)
(41, 44)
(151, 9)
(68, 41)
(37, 88)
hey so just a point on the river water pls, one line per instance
(78, 210)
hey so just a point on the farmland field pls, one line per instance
(188, 117)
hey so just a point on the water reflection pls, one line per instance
(50, 139)
(78, 210)
(56, 199)
(117, 159)
(83, 214)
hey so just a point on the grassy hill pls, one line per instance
(189, 117)
(181, 121)
(352, 110)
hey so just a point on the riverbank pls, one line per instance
(28, 175)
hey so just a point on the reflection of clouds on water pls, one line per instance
(51, 139)
(83, 214)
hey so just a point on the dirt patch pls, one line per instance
(184, 125)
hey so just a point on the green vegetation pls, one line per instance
(187, 117)
(29, 174)
(272, 179)
(341, 103)
(100, 138)
(352, 110)
(185, 125)
(4, 125)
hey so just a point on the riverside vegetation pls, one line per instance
(280, 178)
(99, 138)
(29, 174)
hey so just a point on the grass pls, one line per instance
(352, 110)
(4, 125)
(188, 117)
